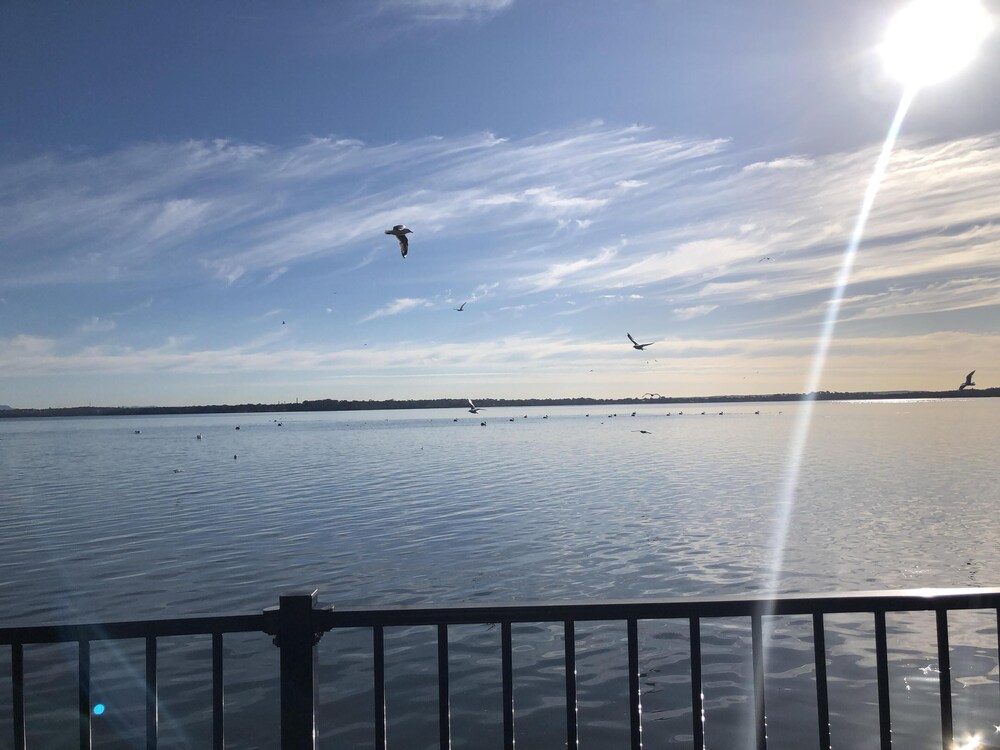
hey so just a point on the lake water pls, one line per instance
(404, 507)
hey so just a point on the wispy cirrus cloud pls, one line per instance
(396, 307)
(712, 234)
(560, 273)
(784, 162)
(97, 324)
(696, 311)
(237, 211)
(555, 360)
(447, 10)
(562, 211)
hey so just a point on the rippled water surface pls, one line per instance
(100, 522)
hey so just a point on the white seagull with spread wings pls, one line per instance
(636, 344)
(399, 232)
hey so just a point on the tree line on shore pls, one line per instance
(328, 404)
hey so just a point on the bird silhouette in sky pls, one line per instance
(644, 432)
(460, 307)
(399, 232)
(636, 344)
(968, 381)
(766, 257)
(473, 409)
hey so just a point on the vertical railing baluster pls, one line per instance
(822, 688)
(634, 698)
(697, 708)
(17, 705)
(444, 697)
(84, 694)
(944, 679)
(757, 648)
(378, 651)
(218, 695)
(507, 666)
(152, 705)
(882, 668)
(572, 735)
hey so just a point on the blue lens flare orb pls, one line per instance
(98, 709)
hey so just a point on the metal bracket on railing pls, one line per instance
(292, 605)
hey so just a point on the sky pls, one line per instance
(193, 198)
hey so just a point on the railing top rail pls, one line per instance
(158, 628)
(327, 618)
(664, 609)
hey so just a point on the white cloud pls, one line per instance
(550, 197)
(237, 211)
(509, 211)
(276, 274)
(396, 307)
(686, 313)
(96, 324)
(785, 162)
(558, 273)
(448, 10)
(948, 296)
(23, 347)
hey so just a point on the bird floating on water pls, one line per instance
(636, 344)
(968, 381)
(460, 307)
(399, 232)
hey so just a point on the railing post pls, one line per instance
(296, 634)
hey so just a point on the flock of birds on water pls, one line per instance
(473, 409)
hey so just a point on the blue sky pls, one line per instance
(193, 198)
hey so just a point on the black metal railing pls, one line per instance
(298, 623)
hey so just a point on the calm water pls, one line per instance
(101, 523)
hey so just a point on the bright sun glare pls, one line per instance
(929, 40)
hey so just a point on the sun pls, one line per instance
(929, 40)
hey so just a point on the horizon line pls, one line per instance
(328, 404)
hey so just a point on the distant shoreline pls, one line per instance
(453, 403)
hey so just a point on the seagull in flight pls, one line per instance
(399, 232)
(460, 307)
(636, 344)
(766, 257)
(473, 409)
(968, 381)
(644, 432)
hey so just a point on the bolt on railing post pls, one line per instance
(296, 636)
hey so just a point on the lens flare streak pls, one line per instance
(801, 429)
